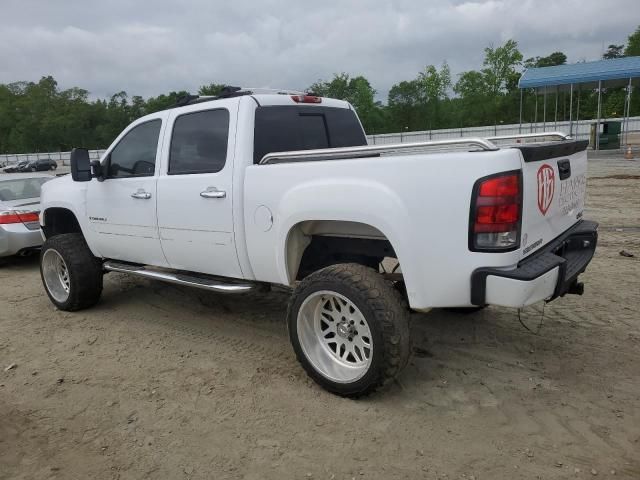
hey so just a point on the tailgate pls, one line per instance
(554, 185)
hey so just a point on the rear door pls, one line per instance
(195, 215)
(554, 185)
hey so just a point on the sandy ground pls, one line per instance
(164, 382)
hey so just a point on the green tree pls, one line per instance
(404, 101)
(613, 51)
(162, 102)
(556, 58)
(358, 92)
(212, 89)
(500, 73)
(633, 44)
(500, 65)
(474, 98)
(434, 86)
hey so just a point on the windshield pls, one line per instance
(21, 188)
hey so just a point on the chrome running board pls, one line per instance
(213, 284)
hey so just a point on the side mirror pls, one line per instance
(80, 166)
(96, 167)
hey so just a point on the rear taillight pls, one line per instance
(18, 216)
(496, 210)
(306, 99)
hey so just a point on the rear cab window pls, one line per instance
(281, 128)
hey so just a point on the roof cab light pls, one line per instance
(306, 99)
(8, 217)
(496, 211)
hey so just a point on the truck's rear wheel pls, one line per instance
(71, 275)
(349, 328)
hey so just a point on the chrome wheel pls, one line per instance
(56, 275)
(335, 336)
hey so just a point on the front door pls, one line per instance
(122, 208)
(195, 197)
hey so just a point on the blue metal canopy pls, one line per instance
(578, 73)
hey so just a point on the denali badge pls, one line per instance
(535, 244)
(546, 187)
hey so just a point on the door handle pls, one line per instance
(141, 194)
(564, 169)
(213, 192)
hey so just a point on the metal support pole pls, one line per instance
(544, 111)
(535, 118)
(599, 113)
(630, 92)
(623, 133)
(571, 111)
(520, 126)
(555, 116)
(578, 111)
(627, 113)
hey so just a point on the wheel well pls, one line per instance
(313, 245)
(58, 221)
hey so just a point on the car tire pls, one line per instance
(349, 328)
(71, 275)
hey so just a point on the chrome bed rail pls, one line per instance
(485, 144)
(558, 135)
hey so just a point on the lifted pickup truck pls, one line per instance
(253, 189)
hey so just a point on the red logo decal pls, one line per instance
(546, 187)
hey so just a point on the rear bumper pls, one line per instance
(16, 238)
(549, 273)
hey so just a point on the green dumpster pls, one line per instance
(609, 138)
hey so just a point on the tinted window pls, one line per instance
(285, 128)
(135, 154)
(199, 142)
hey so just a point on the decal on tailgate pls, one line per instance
(546, 187)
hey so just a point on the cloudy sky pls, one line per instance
(154, 46)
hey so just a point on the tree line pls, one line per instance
(40, 117)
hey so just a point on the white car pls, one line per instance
(19, 213)
(252, 189)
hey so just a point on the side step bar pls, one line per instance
(207, 283)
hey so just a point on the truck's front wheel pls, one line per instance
(349, 328)
(71, 275)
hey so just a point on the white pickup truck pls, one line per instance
(254, 189)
